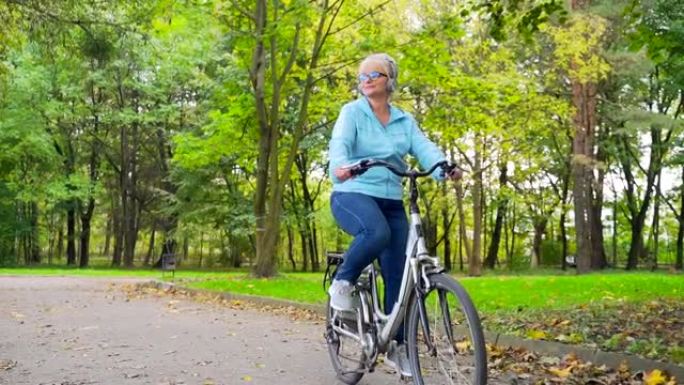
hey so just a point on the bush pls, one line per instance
(552, 251)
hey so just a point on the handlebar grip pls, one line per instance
(357, 170)
(447, 167)
(360, 168)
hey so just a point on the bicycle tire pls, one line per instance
(464, 351)
(349, 376)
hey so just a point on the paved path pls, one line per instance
(77, 331)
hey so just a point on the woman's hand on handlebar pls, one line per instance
(455, 174)
(343, 173)
(349, 171)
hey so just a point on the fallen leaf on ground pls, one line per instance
(7, 364)
(655, 377)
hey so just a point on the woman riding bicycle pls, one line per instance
(369, 206)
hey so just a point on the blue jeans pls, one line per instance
(380, 230)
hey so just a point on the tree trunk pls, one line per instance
(290, 249)
(310, 246)
(35, 234)
(446, 224)
(584, 121)
(131, 203)
(130, 233)
(638, 212)
(315, 260)
(656, 223)
(564, 241)
(168, 222)
(264, 265)
(86, 217)
(235, 259)
(71, 234)
(271, 179)
(539, 230)
(598, 253)
(309, 204)
(186, 249)
(561, 222)
(150, 248)
(305, 259)
(51, 238)
(59, 253)
(430, 230)
(584, 100)
(118, 233)
(22, 240)
(108, 236)
(201, 250)
(124, 182)
(475, 262)
(493, 252)
(636, 244)
(338, 239)
(462, 236)
(680, 231)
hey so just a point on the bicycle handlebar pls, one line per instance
(364, 165)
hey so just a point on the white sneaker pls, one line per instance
(343, 296)
(398, 359)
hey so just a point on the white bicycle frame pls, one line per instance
(417, 260)
(416, 267)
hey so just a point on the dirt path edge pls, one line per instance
(551, 348)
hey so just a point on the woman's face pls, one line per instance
(373, 79)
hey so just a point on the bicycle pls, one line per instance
(442, 323)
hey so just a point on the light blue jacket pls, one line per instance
(358, 135)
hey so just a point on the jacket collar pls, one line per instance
(395, 113)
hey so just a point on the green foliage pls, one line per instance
(580, 57)
(677, 354)
(660, 29)
(174, 79)
(551, 253)
(8, 227)
(525, 16)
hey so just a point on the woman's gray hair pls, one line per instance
(390, 67)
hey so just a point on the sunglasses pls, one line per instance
(371, 75)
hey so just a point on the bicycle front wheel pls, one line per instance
(446, 345)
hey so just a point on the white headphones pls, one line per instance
(393, 73)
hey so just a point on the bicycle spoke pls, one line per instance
(346, 352)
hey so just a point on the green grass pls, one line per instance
(299, 287)
(557, 292)
(490, 293)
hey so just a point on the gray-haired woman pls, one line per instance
(369, 206)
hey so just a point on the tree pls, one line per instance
(578, 53)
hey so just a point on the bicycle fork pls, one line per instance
(425, 323)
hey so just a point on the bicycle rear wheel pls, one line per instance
(453, 328)
(346, 353)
